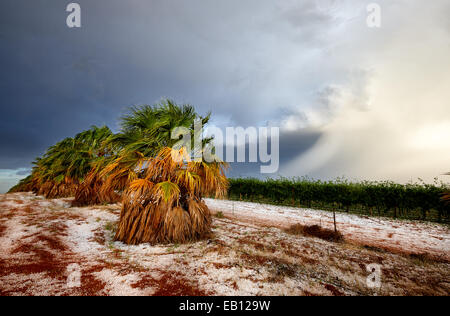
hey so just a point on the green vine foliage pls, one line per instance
(417, 201)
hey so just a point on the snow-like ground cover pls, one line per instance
(401, 236)
(46, 244)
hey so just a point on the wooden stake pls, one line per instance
(334, 220)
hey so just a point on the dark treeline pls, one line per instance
(417, 201)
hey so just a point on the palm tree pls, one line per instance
(164, 204)
(55, 173)
(162, 198)
(89, 191)
(59, 172)
(145, 130)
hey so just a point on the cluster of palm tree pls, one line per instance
(144, 132)
(161, 187)
(59, 172)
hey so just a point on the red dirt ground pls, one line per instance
(42, 240)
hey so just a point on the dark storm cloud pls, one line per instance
(296, 64)
(56, 81)
(292, 145)
(44, 98)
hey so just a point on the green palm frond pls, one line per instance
(167, 190)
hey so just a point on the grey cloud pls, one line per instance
(57, 81)
(292, 145)
(23, 172)
(312, 64)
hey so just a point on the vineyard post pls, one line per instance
(334, 220)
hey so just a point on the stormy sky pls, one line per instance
(365, 103)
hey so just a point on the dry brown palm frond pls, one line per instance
(117, 181)
(130, 219)
(121, 172)
(110, 167)
(45, 188)
(141, 188)
(177, 226)
(153, 228)
(165, 204)
(89, 191)
(160, 168)
(200, 217)
(213, 177)
(53, 190)
(191, 181)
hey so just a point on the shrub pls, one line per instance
(412, 201)
(315, 231)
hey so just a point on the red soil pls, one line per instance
(2, 229)
(171, 283)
